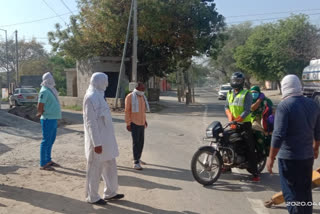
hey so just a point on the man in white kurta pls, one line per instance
(101, 147)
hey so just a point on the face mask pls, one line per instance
(255, 96)
(140, 93)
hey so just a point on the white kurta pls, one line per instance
(99, 131)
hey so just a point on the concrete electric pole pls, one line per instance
(135, 46)
(17, 60)
(124, 55)
(7, 61)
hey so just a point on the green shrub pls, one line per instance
(74, 108)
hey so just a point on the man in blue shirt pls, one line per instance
(50, 111)
(295, 139)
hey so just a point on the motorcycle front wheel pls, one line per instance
(206, 165)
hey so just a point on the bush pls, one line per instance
(74, 108)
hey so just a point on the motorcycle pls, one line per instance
(227, 149)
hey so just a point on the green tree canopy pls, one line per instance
(274, 50)
(169, 31)
(225, 64)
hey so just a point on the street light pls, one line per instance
(8, 80)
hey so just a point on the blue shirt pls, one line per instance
(297, 124)
(52, 109)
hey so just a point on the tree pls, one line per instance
(255, 55)
(32, 57)
(169, 31)
(275, 50)
(225, 64)
(57, 65)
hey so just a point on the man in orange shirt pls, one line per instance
(136, 105)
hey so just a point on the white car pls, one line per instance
(224, 89)
(23, 96)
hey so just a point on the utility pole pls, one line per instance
(123, 55)
(135, 41)
(17, 60)
(7, 59)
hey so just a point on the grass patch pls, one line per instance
(74, 108)
(5, 99)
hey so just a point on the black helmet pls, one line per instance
(237, 80)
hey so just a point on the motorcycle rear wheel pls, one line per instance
(260, 166)
(206, 166)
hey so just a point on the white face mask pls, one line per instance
(140, 93)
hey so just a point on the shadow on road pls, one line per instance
(124, 180)
(62, 204)
(4, 170)
(284, 208)
(166, 172)
(244, 184)
(4, 148)
(143, 184)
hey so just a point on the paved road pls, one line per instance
(166, 184)
(172, 138)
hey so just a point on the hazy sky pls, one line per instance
(13, 12)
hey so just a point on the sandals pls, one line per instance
(47, 168)
(54, 164)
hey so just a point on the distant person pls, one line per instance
(295, 139)
(49, 112)
(101, 147)
(136, 105)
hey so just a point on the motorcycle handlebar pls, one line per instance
(232, 123)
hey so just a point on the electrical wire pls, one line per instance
(273, 13)
(54, 11)
(256, 20)
(36, 20)
(66, 6)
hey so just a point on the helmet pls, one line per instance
(237, 80)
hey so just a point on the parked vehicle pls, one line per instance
(227, 149)
(23, 96)
(223, 91)
(311, 80)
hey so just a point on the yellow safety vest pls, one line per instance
(236, 104)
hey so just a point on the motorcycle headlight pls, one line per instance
(209, 134)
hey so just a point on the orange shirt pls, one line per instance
(138, 118)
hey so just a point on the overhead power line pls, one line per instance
(66, 6)
(36, 20)
(273, 13)
(54, 11)
(275, 18)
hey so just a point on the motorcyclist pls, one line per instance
(237, 109)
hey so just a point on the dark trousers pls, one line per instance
(137, 133)
(250, 153)
(296, 184)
